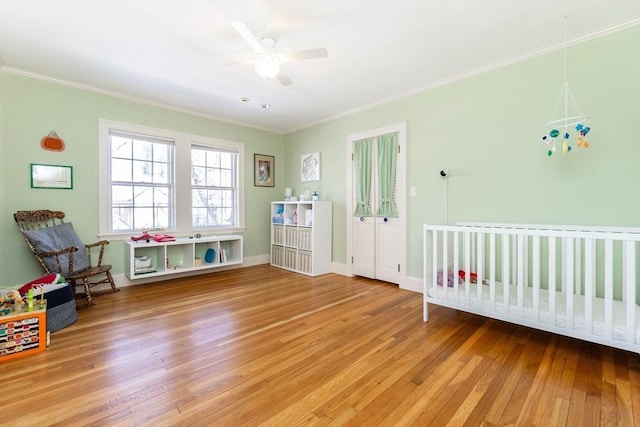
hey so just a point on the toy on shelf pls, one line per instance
(164, 238)
(144, 236)
(158, 237)
(278, 218)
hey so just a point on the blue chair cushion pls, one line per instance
(56, 238)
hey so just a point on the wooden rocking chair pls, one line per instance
(58, 249)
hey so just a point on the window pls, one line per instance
(162, 180)
(213, 177)
(141, 182)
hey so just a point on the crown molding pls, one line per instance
(485, 69)
(127, 97)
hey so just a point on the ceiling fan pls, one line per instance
(268, 62)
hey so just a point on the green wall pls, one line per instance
(487, 131)
(31, 108)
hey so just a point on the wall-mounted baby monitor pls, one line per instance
(444, 174)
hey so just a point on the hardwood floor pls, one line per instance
(262, 346)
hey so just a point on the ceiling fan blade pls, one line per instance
(242, 29)
(304, 54)
(283, 78)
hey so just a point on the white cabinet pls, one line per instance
(301, 236)
(146, 259)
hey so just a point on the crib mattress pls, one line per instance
(511, 310)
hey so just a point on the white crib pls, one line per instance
(576, 281)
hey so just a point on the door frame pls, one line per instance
(401, 193)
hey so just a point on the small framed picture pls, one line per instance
(51, 176)
(264, 173)
(310, 167)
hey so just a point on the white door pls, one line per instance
(377, 241)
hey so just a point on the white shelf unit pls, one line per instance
(182, 255)
(301, 236)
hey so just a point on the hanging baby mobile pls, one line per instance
(567, 120)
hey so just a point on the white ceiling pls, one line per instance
(187, 56)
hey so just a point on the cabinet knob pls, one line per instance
(361, 219)
(385, 219)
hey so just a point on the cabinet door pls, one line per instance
(376, 239)
(364, 247)
(387, 249)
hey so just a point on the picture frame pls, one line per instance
(57, 177)
(264, 170)
(310, 167)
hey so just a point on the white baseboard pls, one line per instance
(340, 269)
(413, 284)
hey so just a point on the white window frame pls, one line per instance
(182, 173)
(209, 188)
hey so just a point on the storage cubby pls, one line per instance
(301, 236)
(181, 255)
(277, 257)
(153, 256)
(291, 236)
(200, 255)
(278, 234)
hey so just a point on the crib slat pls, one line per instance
(563, 264)
(569, 281)
(521, 255)
(589, 284)
(473, 252)
(578, 267)
(514, 259)
(629, 284)
(434, 261)
(467, 266)
(536, 278)
(480, 267)
(505, 272)
(552, 281)
(445, 264)
(525, 268)
(608, 288)
(456, 265)
(492, 271)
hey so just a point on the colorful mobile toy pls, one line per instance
(566, 113)
(549, 139)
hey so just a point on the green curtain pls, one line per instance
(387, 157)
(362, 152)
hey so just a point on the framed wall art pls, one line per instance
(51, 176)
(264, 172)
(310, 167)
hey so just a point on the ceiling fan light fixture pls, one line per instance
(268, 66)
